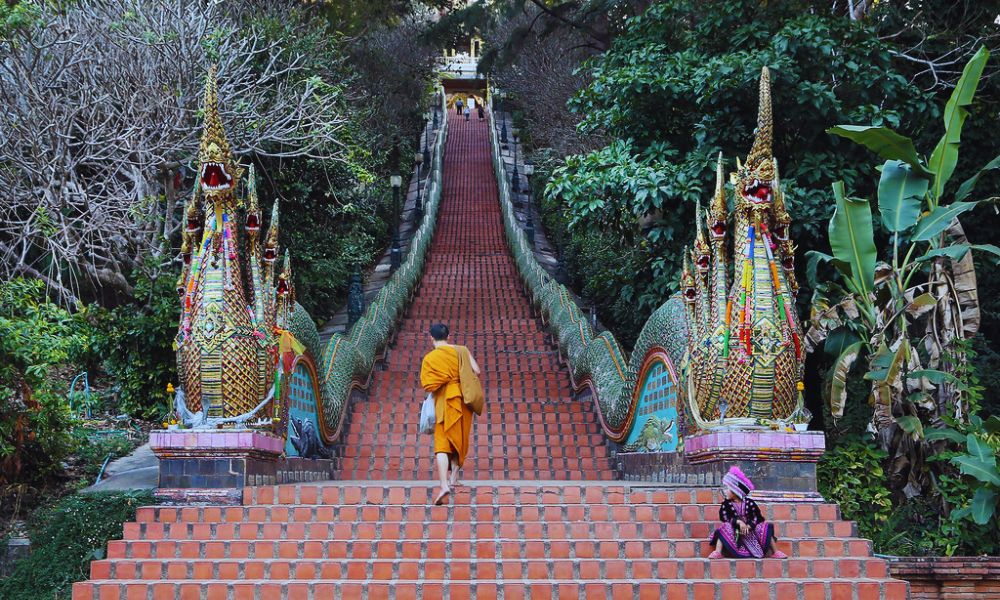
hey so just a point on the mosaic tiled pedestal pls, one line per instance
(781, 464)
(215, 466)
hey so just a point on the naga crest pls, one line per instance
(233, 304)
(744, 357)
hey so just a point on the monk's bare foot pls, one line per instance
(779, 554)
(453, 479)
(442, 496)
(715, 554)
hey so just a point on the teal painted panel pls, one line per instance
(655, 428)
(303, 425)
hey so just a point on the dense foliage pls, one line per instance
(677, 85)
(673, 97)
(36, 336)
(43, 347)
(65, 538)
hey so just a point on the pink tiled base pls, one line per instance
(187, 443)
(782, 464)
(755, 442)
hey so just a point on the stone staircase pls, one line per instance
(537, 515)
(532, 428)
(509, 540)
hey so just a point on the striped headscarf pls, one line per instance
(737, 482)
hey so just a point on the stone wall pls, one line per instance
(949, 578)
(11, 551)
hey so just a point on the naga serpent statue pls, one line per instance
(724, 352)
(744, 354)
(236, 304)
(248, 355)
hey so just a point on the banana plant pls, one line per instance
(902, 310)
(978, 460)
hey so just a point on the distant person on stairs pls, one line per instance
(458, 106)
(467, 113)
(452, 375)
(744, 533)
(482, 113)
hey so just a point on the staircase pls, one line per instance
(531, 427)
(535, 516)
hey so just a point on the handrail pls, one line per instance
(346, 362)
(596, 362)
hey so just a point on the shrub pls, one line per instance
(134, 341)
(851, 475)
(36, 337)
(65, 538)
(91, 450)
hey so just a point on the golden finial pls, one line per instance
(193, 212)
(217, 172)
(687, 279)
(781, 216)
(764, 134)
(213, 131)
(252, 188)
(284, 279)
(700, 253)
(253, 210)
(717, 210)
(181, 281)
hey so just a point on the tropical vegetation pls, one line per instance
(90, 229)
(901, 321)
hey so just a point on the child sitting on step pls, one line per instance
(744, 533)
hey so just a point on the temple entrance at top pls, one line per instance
(472, 99)
(461, 81)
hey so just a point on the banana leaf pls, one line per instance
(945, 156)
(900, 195)
(969, 184)
(838, 386)
(984, 504)
(939, 219)
(883, 141)
(963, 277)
(852, 239)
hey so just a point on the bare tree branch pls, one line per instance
(100, 93)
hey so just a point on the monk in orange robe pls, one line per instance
(439, 374)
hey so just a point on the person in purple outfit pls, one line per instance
(744, 533)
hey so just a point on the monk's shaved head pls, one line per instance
(439, 331)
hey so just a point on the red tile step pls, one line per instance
(509, 589)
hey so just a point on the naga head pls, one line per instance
(688, 288)
(756, 179)
(780, 229)
(217, 172)
(253, 205)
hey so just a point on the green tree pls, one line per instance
(36, 337)
(679, 85)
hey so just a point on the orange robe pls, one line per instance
(439, 375)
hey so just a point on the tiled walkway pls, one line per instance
(531, 428)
